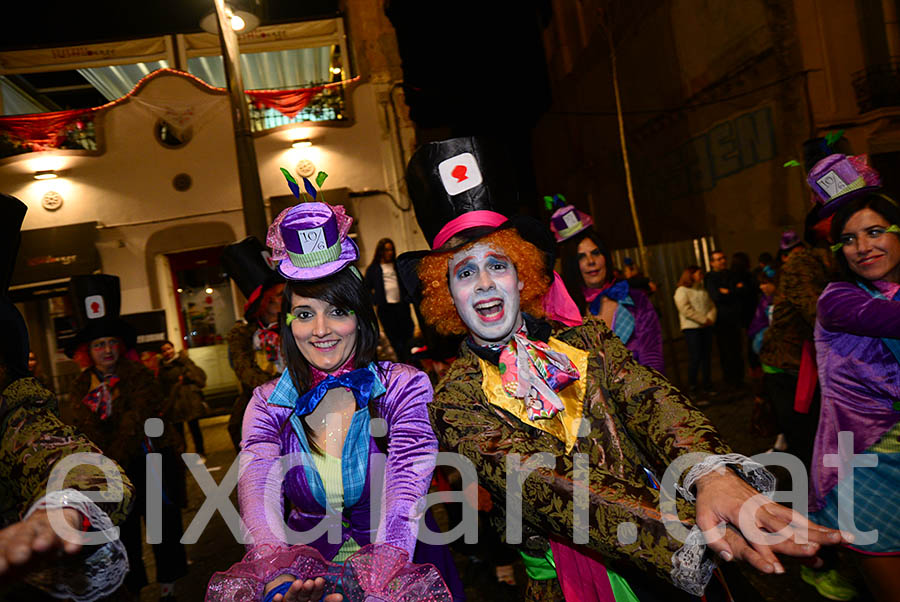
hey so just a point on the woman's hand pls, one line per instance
(309, 590)
(739, 522)
(25, 542)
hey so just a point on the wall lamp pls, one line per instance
(47, 174)
(302, 143)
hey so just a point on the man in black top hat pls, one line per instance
(113, 400)
(531, 385)
(254, 346)
(32, 442)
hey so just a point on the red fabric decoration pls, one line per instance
(286, 102)
(42, 131)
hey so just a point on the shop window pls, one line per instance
(203, 296)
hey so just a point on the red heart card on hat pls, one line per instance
(459, 173)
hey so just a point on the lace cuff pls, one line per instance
(96, 571)
(753, 472)
(691, 567)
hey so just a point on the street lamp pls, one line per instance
(248, 170)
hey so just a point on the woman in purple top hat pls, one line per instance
(588, 276)
(858, 348)
(325, 426)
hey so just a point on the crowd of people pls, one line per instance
(569, 444)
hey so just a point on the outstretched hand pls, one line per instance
(739, 522)
(309, 590)
(25, 543)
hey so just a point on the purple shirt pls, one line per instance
(645, 343)
(411, 453)
(858, 375)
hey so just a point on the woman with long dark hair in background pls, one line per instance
(696, 314)
(393, 310)
(588, 275)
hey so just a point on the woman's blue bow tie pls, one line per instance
(359, 381)
(617, 292)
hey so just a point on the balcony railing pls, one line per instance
(877, 87)
(327, 105)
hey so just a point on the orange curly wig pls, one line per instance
(437, 304)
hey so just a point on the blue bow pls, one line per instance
(616, 292)
(359, 381)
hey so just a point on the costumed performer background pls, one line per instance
(323, 406)
(858, 350)
(527, 385)
(182, 383)
(111, 402)
(588, 276)
(32, 442)
(254, 346)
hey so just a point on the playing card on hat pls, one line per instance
(94, 307)
(459, 173)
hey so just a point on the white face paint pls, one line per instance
(485, 289)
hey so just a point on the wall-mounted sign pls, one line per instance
(49, 256)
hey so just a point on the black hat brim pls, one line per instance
(274, 280)
(832, 207)
(528, 228)
(104, 327)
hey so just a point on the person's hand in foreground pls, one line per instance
(27, 542)
(739, 522)
(309, 590)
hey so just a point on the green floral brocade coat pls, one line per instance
(633, 417)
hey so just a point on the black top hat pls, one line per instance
(248, 263)
(96, 302)
(453, 177)
(14, 342)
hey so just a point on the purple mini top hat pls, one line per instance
(568, 221)
(309, 241)
(838, 179)
(789, 240)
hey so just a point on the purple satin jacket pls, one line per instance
(858, 375)
(412, 448)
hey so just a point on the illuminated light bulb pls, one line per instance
(209, 291)
(237, 23)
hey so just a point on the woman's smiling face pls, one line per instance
(325, 334)
(870, 250)
(485, 289)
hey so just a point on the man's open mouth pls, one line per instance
(490, 310)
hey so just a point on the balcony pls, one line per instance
(877, 87)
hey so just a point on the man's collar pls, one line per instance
(536, 328)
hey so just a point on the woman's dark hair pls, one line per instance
(379, 250)
(740, 262)
(345, 291)
(571, 272)
(881, 204)
(687, 276)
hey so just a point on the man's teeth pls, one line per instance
(488, 308)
